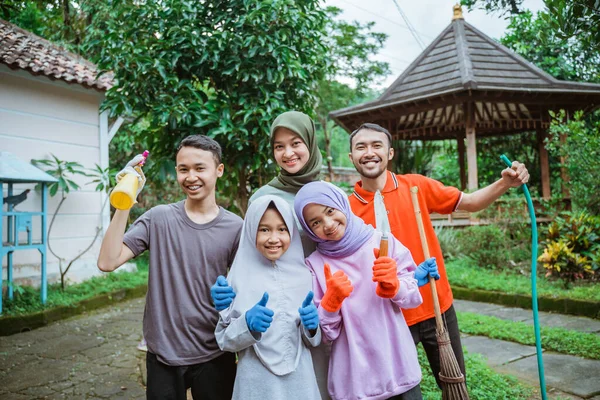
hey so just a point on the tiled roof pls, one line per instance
(20, 49)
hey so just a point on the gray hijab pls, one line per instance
(287, 281)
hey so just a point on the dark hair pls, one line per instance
(203, 143)
(273, 206)
(373, 127)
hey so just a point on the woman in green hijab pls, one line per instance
(294, 145)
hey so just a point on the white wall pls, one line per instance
(39, 117)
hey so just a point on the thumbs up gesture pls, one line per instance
(308, 312)
(338, 288)
(259, 317)
(222, 294)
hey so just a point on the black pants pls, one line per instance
(212, 380)
(412, 394)
(424, 332)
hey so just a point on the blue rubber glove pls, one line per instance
(259, 317)
(308, 313)
(222, 294)
(426, 268)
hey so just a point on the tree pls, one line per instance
(577, 143)
(567, 19)
(535, 39)
(224, 69)
(502, 6)
(63, 22)
(351, 46)
(575, 19)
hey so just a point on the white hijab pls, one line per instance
(287, 281)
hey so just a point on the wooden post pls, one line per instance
(471, 145)
(390, 164)
(564, 175)
(44, 251)
(461, 161)
(544, 165)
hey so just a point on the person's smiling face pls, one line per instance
(273, 237)
(371, 153)
(327, 223)
(289, 150)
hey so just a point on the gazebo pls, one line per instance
(15, 171)
(465, 85)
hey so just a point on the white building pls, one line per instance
(49, 105)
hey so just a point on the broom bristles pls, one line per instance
(453, 380)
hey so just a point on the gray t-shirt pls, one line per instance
(185, 260)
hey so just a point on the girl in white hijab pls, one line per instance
(272, 319)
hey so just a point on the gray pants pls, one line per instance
(412, 394)
(424, 332)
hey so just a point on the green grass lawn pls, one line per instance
(27, 300)
(463, 272)
(561, 340)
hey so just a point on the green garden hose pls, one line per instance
(534, 247)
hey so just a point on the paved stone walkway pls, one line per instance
(566, 376)
(94, 356)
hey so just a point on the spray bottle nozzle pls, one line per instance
(145, 154)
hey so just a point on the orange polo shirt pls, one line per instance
(433, 197)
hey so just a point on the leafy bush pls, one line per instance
(486, 245)
(572, 247)
(448, 239)
(519, 239)
(577, 141)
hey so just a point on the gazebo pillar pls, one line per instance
(471, 146)
(544, 165)
(564, 175)
(461, 161)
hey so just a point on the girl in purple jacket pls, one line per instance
(359, 296)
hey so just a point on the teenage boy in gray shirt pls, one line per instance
(191, 243)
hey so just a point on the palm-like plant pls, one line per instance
(65, 171)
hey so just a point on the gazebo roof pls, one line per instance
(15, 170)
(463, 61)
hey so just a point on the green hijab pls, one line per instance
(303, 126)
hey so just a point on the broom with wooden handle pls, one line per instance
(453, 380)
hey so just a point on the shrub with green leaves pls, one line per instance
(487, 245)
(577, 141)
(448, 239)
(572, 247)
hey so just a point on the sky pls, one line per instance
(428, 17)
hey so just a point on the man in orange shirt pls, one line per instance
(370, 152)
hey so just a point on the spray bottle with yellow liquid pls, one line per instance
(124, 195)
